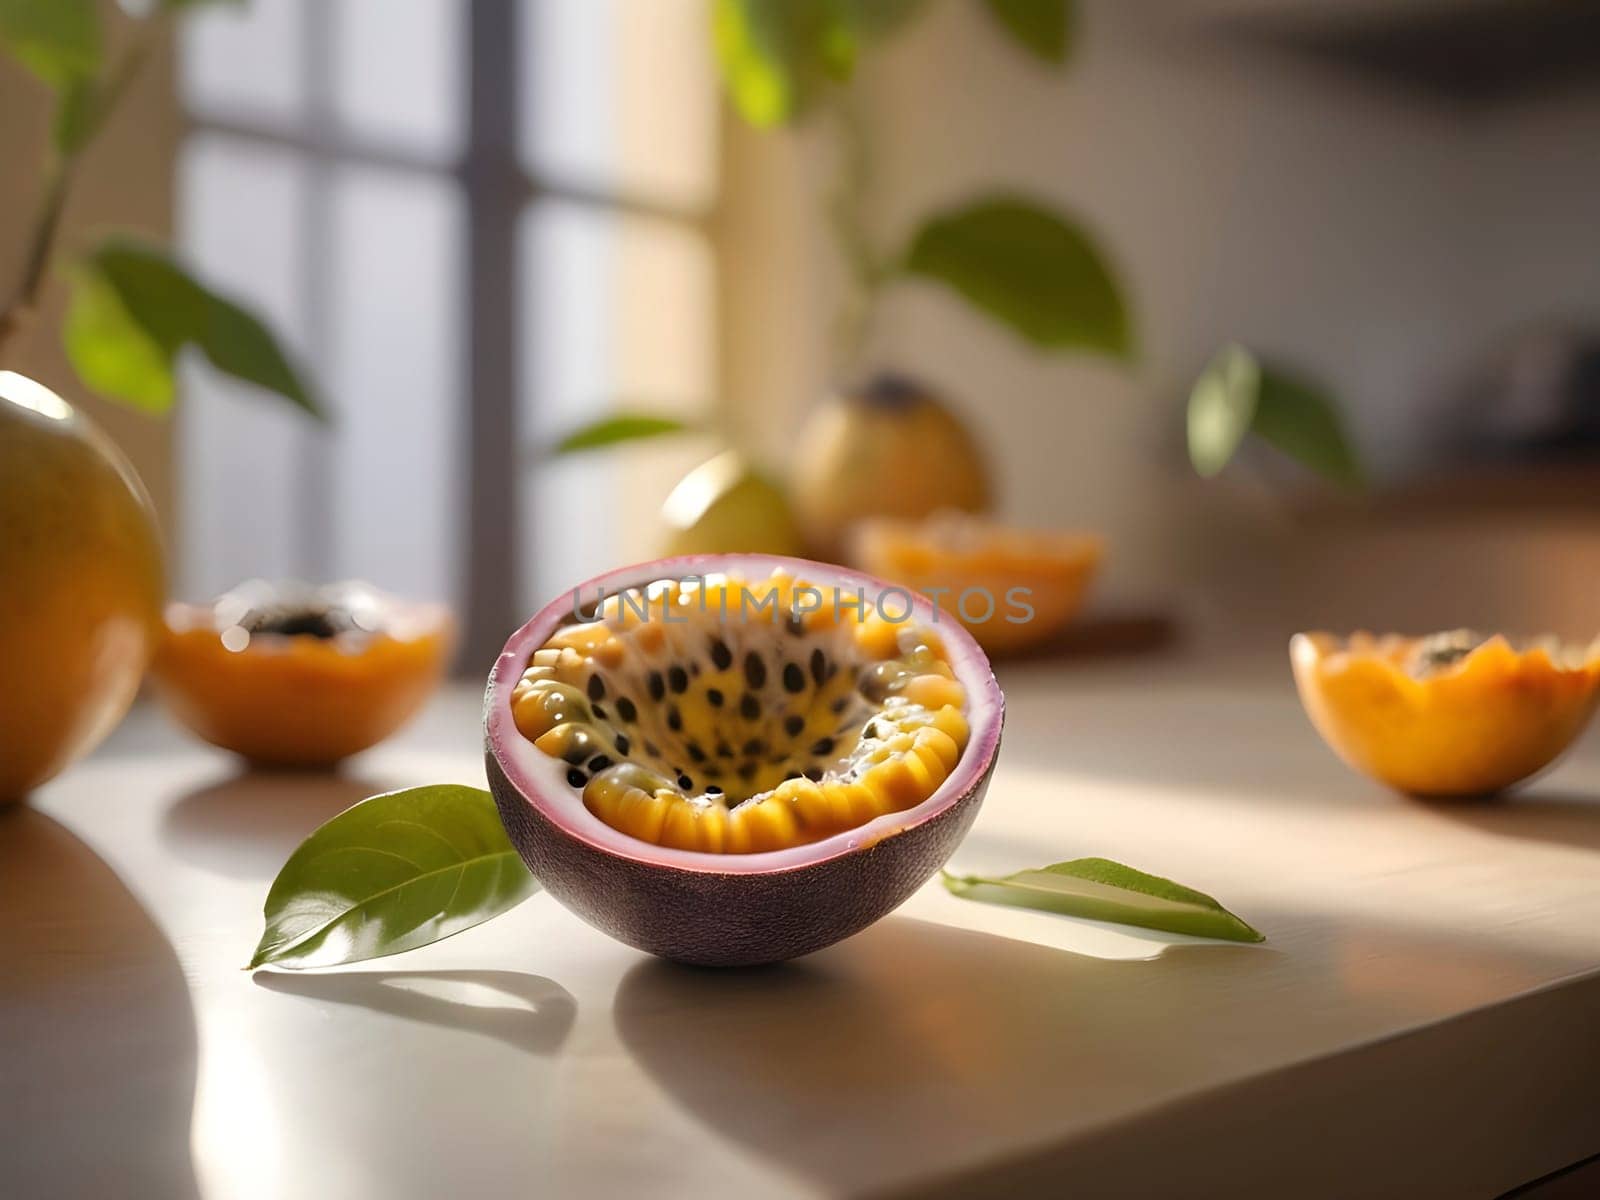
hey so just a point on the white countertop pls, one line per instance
(1423, 1020)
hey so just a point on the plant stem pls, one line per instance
(57, 186)
(845, 208)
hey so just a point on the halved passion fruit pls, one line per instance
(1012, 588)
(297, 675)
(738, 759)
(1451, 714)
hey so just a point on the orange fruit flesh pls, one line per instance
(1013, 589)
(746, 734)
(1472, 726)
(298, 700)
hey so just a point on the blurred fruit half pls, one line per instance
(292, 675)
(1014, 589)
(726, 506)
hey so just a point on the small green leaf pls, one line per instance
(1103, 890)
(774, 55)
(1237, 394)
(395, 872)
(1030, 269)
(113, 353)
(778, 56)
(619, 427)
(1043, 26)
(134, 310)
(58, 40)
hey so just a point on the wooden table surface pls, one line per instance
(1423, 1020)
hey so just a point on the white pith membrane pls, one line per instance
(722, 714)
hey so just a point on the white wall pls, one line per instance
(1374, 238)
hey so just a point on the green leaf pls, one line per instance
(778, 56)
(1103, 890)
(112, 353)
(1043, 26)
(1030, 269)
(58, 40)
(619, 427)
(395, 872)
(134, 310)
(1237, 394)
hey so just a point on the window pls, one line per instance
(479, 224)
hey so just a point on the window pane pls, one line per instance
(621, 311)
(395, 372)
(399, 72)
(620, 94)
(242, 455)
(245, 60)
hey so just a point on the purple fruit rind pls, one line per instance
(724, 909)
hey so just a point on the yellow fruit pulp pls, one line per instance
(1470, 721)
(732, 717)
(80, 584)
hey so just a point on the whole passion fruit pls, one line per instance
(80, 584)
(738, 759)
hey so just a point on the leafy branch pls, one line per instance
(133, 308)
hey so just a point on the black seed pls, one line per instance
(792, 725)
(599, 763)
(657, 685)
(871, 731)
(626, 710)
(724, 750)
(597, 688)
(714, 697)
(747, 771)
(794, 679)
(721, 656)
(749, 707)
(651, 749)
(713, 790)
(813, 773)
(674, 719)
(678, 680)
(791, 775)
(753, 747)
(755, 671)
(839, 705)
(577, 778)
(794, 624)
(599, 712)
(685, 782)
(622, 744)
(696, 754)
(822, 746)
(819, 665)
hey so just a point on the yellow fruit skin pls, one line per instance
(1492, 720)
(725, 506)
(81, 585)
(891, 451)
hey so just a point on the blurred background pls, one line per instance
(483, 224)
